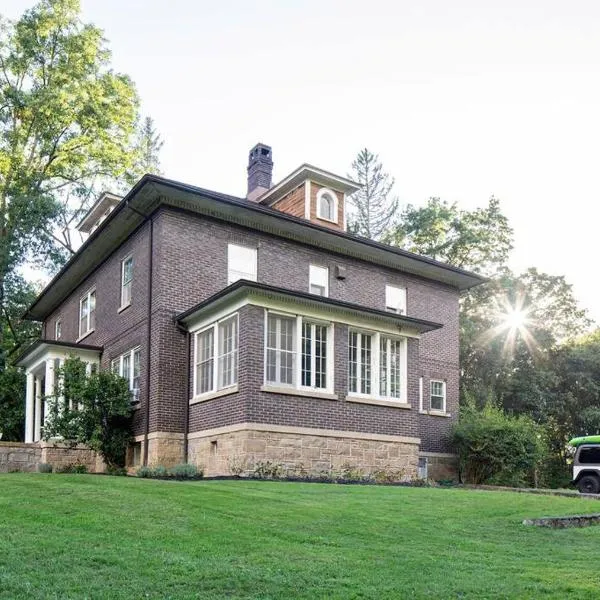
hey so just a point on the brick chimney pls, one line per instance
(260, 171)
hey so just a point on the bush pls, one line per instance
(185, 471)
(497, 449)
(265, 469)
(72, 468)
(116, 471)
(144, 472)
(44, 468)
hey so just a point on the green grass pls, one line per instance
(83, 536)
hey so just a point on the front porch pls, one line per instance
(42, 362)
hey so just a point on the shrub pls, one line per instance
(185, 471)
(267, 470)
(72, 468)
(237, 465)
(44, 468)
(116, 471)
(160, 472)
(144, 472)
(496, 448)
(351, 473)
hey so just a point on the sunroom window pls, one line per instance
(298, 353)
(216, 356)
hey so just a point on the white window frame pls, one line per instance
(58, 329)
(116, 366)
(432, 395)
(125, 302)
(297, 354)
(318, 277)
(233, 274)
(87, 297)
(395, 299)
(375, 367)
(322, 192)
(216, 357)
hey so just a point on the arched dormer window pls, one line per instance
(327, 206)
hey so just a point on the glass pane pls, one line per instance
(126, 372)
(353, 361)
(136, 370)
(306, 354)
(383, 366)
(365, 364)
(320, 356)
(395, 368)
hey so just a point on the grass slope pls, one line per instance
(81, 536)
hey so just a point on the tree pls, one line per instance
(147, 147)
(94, 410)
(374, 209)
(65, 119)
(479, 240)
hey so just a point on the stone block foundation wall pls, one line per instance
(164, 448)
(239, 448)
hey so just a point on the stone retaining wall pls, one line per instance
(15, 456)
(239, 452)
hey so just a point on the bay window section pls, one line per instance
(298, 353)
(216, 357)
(377, 366)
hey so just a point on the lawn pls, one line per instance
(84, 536)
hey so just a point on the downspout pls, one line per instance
(147, 218)
(188, 374)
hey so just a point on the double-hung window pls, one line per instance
(377, 365)
(126, 281)
(127, 365)
(216, 356)
(299, 353)
(319, 280)
(242, 263)
(57, 329)
(87, 313)
(437, 395)
(395, 299)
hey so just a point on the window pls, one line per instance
(126, 279)
(127, 365)
(216, 356)
(299, 353)
(438, 396)
(359, 362)
(57, 329)
(319, 280)
(589, 456)
(280, 349)
(327, 205)
(241, 263)
(372, 353)
(87, 313)
(395, 299)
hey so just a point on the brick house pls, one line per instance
(254, 329)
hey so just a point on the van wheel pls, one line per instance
(589, 484)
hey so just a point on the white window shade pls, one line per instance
(395, 299)
(241, 263)
(319, 280)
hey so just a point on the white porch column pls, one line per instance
(29, 407)
(37, 433)
(49, 386)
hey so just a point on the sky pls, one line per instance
(461, 100)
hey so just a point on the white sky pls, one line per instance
(461, 100)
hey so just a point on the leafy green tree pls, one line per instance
(497, 448)
(65, 119)
(373, 209)
(479, 240)
(94, 410)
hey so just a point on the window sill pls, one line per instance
(435, 413)
(123, 307)
(378, 402)
(327, 220)
(272, 389)
(232, 389)
(82, 337)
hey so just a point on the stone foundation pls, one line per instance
(441, 466)
(237, 450)
(164, 449)
(15, 456)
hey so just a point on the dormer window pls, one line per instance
(327, 205)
